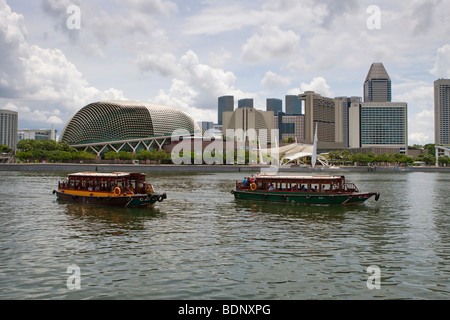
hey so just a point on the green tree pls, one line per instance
(144, 155)
(431, 148)
(26, 145)
(123, 155)
(111, 155)
(5, 149)
(444, 161)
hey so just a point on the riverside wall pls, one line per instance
(69, 168)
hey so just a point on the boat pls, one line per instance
(318, 190)
(112, 189)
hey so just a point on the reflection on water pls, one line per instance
(201, 243)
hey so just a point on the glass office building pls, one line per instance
(225, 104)
(275, 105)
(384, 124)
(442, 111)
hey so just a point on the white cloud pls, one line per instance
(196, 85)
(442, 66)
(421, 128)
(164, 64)
(37, 74)
(151, 7)
(420, 98)
(220, 18)
(273, 80)
(270, 43)
(318, 85)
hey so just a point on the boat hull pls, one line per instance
(306, 197)
(129, 201)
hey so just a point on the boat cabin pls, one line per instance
(329, 184)
(106, 182)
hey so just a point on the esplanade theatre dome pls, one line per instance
(124, 120)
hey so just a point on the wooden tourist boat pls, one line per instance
(321, 190)
(111, 189)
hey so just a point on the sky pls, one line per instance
(57, 56)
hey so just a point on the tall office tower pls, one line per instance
(385, 125)
(275, 105)
(293, 105)
(347, 117)
(225, 103)
(319, 110)
(354, 122)
(377, 86)
(442, 112)
(8, 128)
(245, 103)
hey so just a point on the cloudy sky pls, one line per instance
(54, 61)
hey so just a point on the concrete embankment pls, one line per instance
(54, 167)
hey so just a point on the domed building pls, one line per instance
(125, 126)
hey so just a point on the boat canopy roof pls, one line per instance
(299, 178)
(104, 175)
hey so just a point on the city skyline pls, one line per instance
(188, 54)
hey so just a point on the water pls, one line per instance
(200, 243)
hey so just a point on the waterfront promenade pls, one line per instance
(75, 167)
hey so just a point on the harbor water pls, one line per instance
(201, 243)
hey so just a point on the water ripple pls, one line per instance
(202, 244)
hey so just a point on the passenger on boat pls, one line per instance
(271, 187)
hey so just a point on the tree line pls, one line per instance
(52, 151)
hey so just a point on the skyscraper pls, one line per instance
(319, 110)
(293, 104)
(225, 103)
(442, 111)
(377, 86)
(384, 124)
(348, 127)
(275, 105)
(245, 103)
(8, 128)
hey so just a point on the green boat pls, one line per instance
(318, 190)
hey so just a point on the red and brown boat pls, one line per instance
(111, 189)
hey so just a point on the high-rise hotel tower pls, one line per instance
(384, 124)
(377, 86)
(442, 111)
(8, 128)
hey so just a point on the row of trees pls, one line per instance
(160, 156)
(51, 151)
(345, 157)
